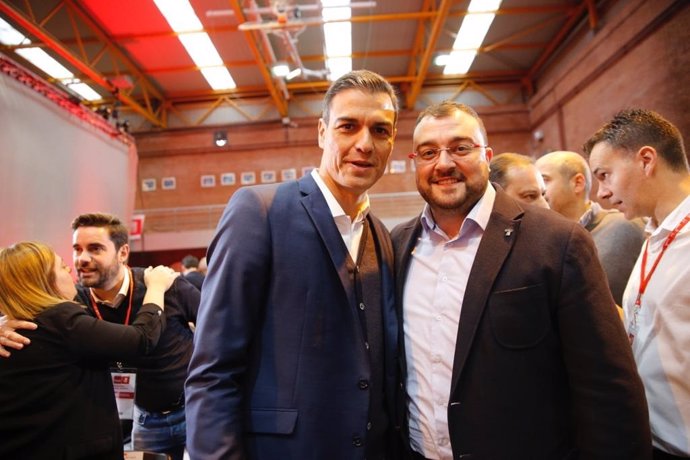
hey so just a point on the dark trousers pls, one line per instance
(661, 455)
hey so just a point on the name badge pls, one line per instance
(124, 383)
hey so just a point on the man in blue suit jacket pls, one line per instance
(295, 348)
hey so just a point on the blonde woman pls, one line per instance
(56, 396)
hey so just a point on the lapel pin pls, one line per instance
(508, 231)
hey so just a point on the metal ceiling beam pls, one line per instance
(41, 34)
(575, 16)
(430, 46)
(278, 97)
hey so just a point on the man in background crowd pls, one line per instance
(518, 177)
(113, 291)
(568, 182)
(190, 270)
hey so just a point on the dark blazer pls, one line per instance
(542, 366)
(279, 360)
(56, 395)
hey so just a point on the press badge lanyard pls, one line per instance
(124, 380)
(644, 279)
(94, 304)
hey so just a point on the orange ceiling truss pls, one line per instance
(575, 15)
(79, 59)
(155, 108)
(263, 54)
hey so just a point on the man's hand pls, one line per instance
(11, 339)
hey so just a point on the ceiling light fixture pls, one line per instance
(337, 37)
(39, 58)
(471, 34)
(280, 69)
(183, 20)
(220, 138)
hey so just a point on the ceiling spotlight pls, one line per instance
(293, 73)
(280, 69)
(220, 138)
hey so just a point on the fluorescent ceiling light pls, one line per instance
(471, 34)
(11, 36)
(441, 60)
(200, 49)
(218, 77)
(183, 20)
(84, 90)
(280, 70)
(39, 58)
(180, 15)
(45, 62)
(337, 37)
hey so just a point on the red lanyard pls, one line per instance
(129, 308)
(644, 278)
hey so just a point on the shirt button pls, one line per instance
(362, 306)
(363, 384)
(441, 402)
(438, 317)
(435, 359)
(442, 441)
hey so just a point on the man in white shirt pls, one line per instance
(639, 160)
(513, 348)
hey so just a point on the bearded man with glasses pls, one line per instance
(513, 348)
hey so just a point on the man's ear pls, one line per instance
(123, 254)
(322, 131)
(648, 158)
(578, 182)
(489, 154)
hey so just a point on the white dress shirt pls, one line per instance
(350, 230)
(432, 302)
(662, 344)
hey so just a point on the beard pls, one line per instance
(461, 197)
(97, 275)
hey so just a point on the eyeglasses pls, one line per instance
(456, 152)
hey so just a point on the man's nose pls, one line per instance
(365, 141)
(603, 193)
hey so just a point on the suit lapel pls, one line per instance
(497, 241)
(316, 207)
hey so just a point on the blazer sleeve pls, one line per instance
(608, 399)
(232, 299)
(90, 337)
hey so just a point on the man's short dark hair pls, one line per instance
(116, 230)
(632, 129)
(447, 108)
(362, 80)
(189, 261)
(501, 164)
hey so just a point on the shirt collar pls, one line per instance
(333, 205)
(670, 222)
(479, 214)
(121, 294)
(592, 210)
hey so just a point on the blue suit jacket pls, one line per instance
(279, 351)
